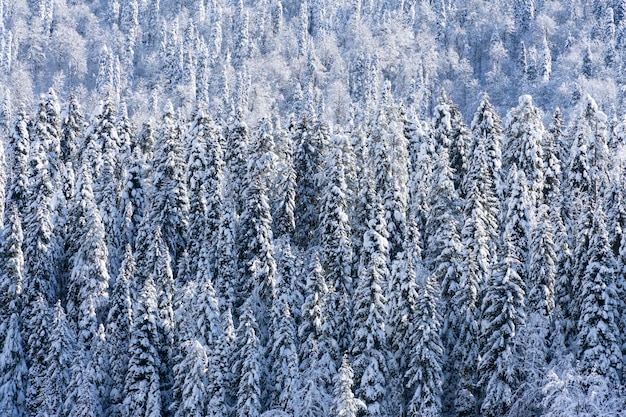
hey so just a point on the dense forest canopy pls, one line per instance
(312, 208)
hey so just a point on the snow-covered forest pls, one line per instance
(311, 208)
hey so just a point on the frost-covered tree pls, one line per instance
(118, 326)
(424, 372)
(248, 367)
(13, 371)
(190, 376)
(236, 159)
(502, 316)
(81, 398)
(57, 375)
(87, 292)
(12, 274)
(17, 160)
(345, 404)
(335, 241)
(257, 264)
(142, 384)
(167, 205)
(598, 335)
(525, 134)
(369, 342)
(310, 140)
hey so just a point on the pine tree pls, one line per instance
(88, 296)
(236, 161)
(451, 133)
(424, 372)
(598, 347)
(12, 262)
(256, 247)
(248, 367)
(167, 201)
(369, 347)
(191, 373)
(525, 134)
(39, 266)
(344, 402)
(502, 315)
(17, 157)
(81, 399)
(310, 140)
(57, 375)
(335, 241)
(204, 182)
(283, 353)
(118, 326)
(542, 265)
(142, 384)
(13, 372)
(36, 323)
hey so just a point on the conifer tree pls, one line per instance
(72, 127)
(310, 139)
(424, 372)
(502, 315)
(335, 241)
(344, 402)
(118, 327)
(191, 373)
(39, 265)
(17, 157)
(256, 247)
(597, 338)
(167, 201)
(525, 134)
(204, 182)
(236, 161)
(36, 323)
(81, 399)
(369, 339)
(88, 296)
(57, 375)
(13, 371)
(248, 367)
(451, 132)
(12, 262)
(142, 384)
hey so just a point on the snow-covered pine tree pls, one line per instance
(257, 265)
(598, 346)
(283, 354)
(314, 343)
(369, 341)
(444, 208)
(424, 372)
(248, 367)
(451, 132)
(82, 399)
(236, 159)
(57, 375)
(502, 316)
(310, 140)
(335, 242)
(17, 157)
(167, 205)
(204, 183)
(345, 404)
(142, 383)
(118, 326)
(40, 271)
(190, 376)
(12, 264)
(525, 134)
(87, 292)
(13, 371)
